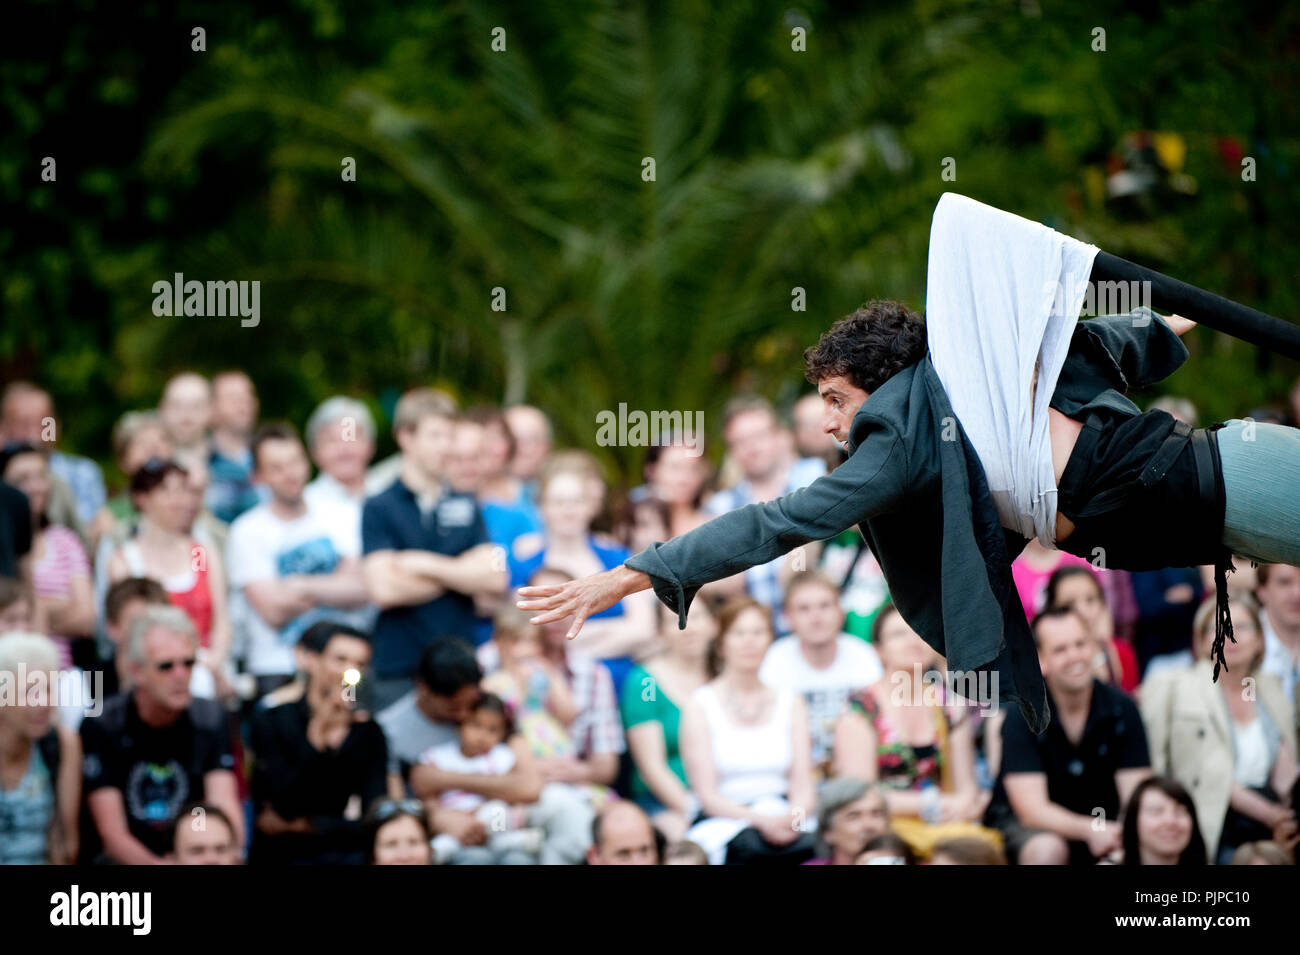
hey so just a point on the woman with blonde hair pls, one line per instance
(40, 761)
(1231, 743)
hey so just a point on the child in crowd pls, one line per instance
(685, 852)
(15, 607)
(482, 751)
(537, 693)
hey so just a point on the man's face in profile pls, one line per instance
(841, 400)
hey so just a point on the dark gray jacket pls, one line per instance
(917, 491)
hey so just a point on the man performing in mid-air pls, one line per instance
(996, 418)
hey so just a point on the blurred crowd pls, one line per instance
(230, 660)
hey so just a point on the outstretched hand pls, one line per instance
(582, 597)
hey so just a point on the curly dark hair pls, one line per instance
(868, 347)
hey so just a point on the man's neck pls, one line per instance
(230, 444)
(354, 488)
(819, 656)
(152, 714)
(197, 449)
(769, 486)
(419, 482)
(1071, 702)
(288, 510)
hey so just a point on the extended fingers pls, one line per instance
(550, 616)
(541, 590)
(544, 598)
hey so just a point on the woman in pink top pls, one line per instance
(60, 570)
(1031, 570)
(1036, 563)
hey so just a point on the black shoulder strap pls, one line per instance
(857, 556)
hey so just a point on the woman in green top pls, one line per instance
(651, 717)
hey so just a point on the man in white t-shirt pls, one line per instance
(341, 437)
(287, 570)
(818, 659)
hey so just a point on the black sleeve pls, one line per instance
(1136, 349)
(1020, 750)
(101, 765)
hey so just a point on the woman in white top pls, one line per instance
(746, 747)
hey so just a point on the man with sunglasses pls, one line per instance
(155, 748)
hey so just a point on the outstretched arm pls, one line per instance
(872, 481)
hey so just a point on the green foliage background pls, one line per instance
(522, 169)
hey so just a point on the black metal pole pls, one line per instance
(1205, 308)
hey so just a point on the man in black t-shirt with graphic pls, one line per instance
(1059, 794)
(154, 749)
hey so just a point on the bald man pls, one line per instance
(186, 413)
(533, 440)
(621, 834)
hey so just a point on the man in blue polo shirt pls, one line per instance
(427, 553)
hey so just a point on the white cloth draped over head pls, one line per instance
(1002, 297)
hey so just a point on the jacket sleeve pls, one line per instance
(1132, 350)
(870, 482)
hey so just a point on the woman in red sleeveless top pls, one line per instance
(164, 548)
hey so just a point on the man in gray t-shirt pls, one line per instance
(410, 734)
